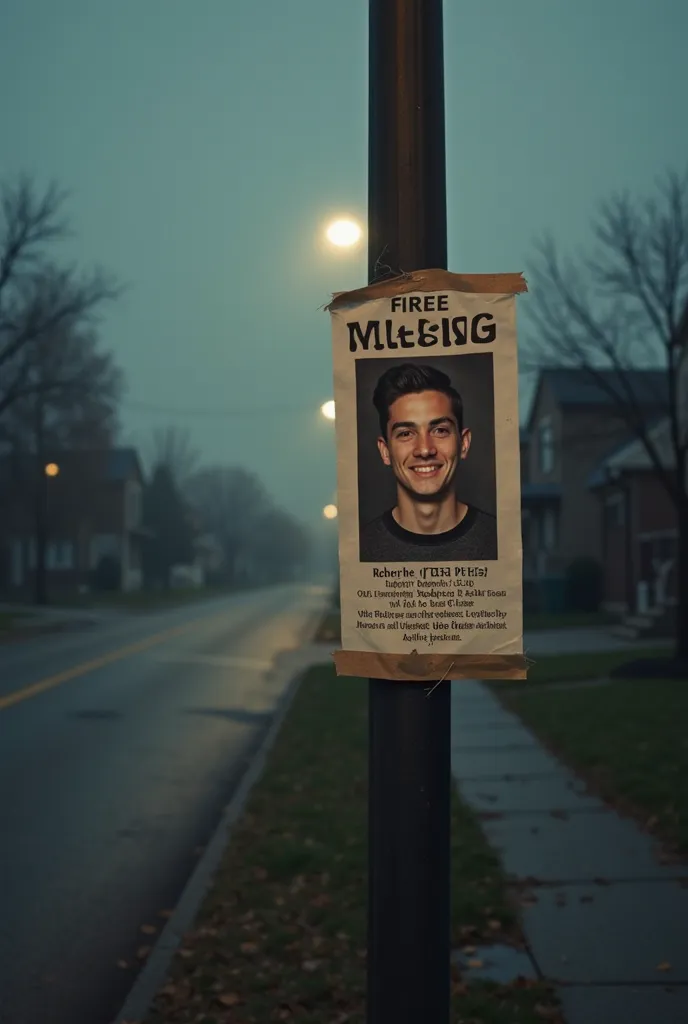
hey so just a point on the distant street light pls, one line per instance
(52, 469)
(330, 512)
(344, 232)
(327, 409)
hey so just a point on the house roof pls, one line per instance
(122, 463)
(632, 456)
(540, 491)
(577, 387)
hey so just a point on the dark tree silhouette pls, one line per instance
(625, 307)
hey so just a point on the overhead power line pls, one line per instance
(224, 412)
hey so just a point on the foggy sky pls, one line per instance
(205, 142)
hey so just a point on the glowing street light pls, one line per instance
(52, 469)
(330, 512)
(344, 232)
(327, 409)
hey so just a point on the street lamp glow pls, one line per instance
(344, 232)
(330, 511)
(327, 409)
(52, 469)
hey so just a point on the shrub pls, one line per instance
(584, 585)
(107, 574)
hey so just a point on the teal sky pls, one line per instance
(205, 142)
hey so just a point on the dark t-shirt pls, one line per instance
(474, 539)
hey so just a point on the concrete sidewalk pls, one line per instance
(603, 917)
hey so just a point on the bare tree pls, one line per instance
(69, 401)
(623, 308)
(173, 448)
(37, 297)
(229, 501)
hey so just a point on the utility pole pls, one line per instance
(409, 758)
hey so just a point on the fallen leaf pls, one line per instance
(149, 929)
(664, 966)
(546, 1012)
(165, 913)
(476, 963)
(311, 965)
(248, 948)
(142, 952)
(494, 925)
(469, 950)
(229, 999)
(122, 964)
(168, 990)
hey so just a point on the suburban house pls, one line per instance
(571, 428)
(640, 529)
(93, 510)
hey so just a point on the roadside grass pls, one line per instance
(571, 668)
(566, 620)
(8, 620)
(281, 935)
(627, 737)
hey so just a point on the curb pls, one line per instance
(149, 981)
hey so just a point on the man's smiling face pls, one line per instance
(423, 444)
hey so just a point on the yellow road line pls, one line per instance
(89, 666)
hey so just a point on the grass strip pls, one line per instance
(571, 668)
(628, 738)
(281, 935)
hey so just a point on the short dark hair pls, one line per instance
(411, 379)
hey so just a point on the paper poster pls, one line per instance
(426, 397)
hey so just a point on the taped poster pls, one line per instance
(428, 469)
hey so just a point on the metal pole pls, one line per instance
(409, 756)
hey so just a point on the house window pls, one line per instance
(615, 509)
(133, 511)
(546, 445)
(549, 529)
(60, 555)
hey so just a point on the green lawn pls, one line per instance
(281, 936)
(566, 620)
(8, 620)
(564, 668)
(628, 737)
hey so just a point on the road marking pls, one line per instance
(50, 682)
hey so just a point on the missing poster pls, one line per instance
(426, 396)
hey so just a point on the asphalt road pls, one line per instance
(119, 747)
